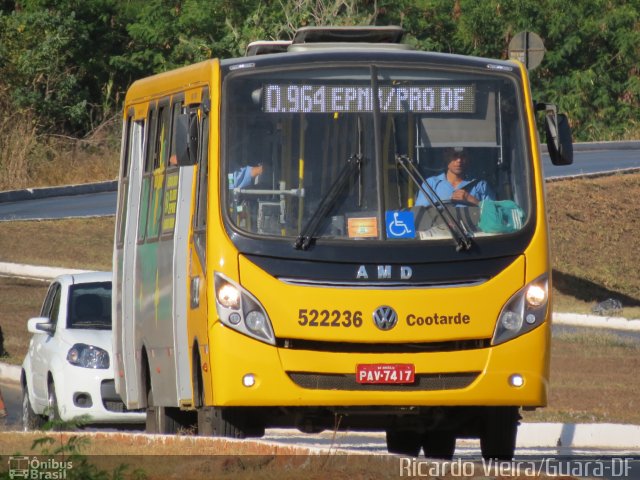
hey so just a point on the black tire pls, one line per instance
(223, 422)
(205, 421)
(151, 422)
(439, 444)
(53, 411)
(226, 422)
(404, 442)
(30, 419)
(204, 414)
(498, 437)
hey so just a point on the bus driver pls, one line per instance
(453, 184)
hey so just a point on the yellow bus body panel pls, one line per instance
(480, 305)
(235, 355)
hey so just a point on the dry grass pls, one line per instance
(68, 161)
(201, 458)
(28, 159)
(594, 229)
(19, 301)
(17, 143)
(207, 458)
(85, 243)
(593, 379)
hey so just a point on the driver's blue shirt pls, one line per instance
(478, 188)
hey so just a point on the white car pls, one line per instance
(68, 370)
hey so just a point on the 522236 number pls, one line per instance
(326, 318)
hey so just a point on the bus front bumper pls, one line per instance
(249, 373)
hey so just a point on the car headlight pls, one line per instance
(88, 356)
(240, 310)
(524, 311)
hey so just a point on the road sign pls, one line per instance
(528, 48)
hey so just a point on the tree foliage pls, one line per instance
(69, 62)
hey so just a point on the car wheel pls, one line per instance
(30, 419)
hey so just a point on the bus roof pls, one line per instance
(179, 79)
(367, 53)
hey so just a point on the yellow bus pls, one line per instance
(337, 232)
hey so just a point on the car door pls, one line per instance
(41, 345)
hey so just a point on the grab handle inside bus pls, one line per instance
(187, 139)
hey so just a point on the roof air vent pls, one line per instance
(328, 34)
(263, 47)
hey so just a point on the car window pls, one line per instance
(55, 307)
(90, 306)
(51, 305)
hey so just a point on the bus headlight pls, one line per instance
(257, 323)
(524, 311)
(536, 295)
(228, 296)
(240, 310)
(511, 321)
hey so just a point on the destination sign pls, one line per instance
(287, 98)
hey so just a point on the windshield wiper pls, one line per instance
(354, 164)
(458, 231)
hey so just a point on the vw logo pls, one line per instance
(385, 318)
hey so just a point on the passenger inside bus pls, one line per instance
(244, 176)
(454, 184)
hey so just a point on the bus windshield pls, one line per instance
(389, 153)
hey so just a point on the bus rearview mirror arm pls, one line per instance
(558, 135)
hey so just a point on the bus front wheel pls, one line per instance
(403, 442)
(440, 444)
(498, 436)
(227, 422)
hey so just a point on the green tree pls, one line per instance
(590, 67)
(70, 61)
(54, 60)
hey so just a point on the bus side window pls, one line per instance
(146, 174)
(171, 176)
(124, 184)
(176, 110)
(160, 141)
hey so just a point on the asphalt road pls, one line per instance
(12, 400)
(592, 162)
(90, 205)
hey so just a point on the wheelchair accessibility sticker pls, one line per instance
(399, 224)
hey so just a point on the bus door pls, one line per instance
(130, 218)
(181, 205)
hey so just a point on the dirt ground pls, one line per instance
(592, 383)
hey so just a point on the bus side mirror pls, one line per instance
(558, 133)
(187, 139)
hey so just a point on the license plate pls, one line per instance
(385, 373)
